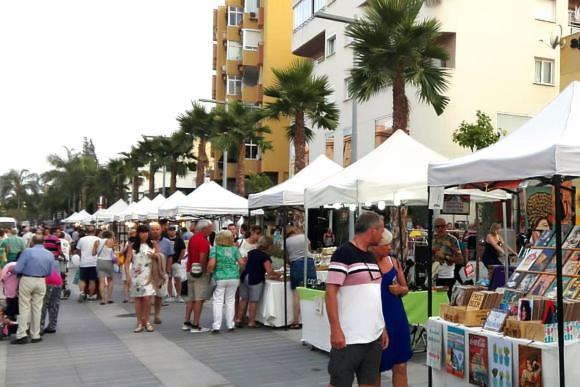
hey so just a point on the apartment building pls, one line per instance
(570, 50)
(250, 38)
(500, 62)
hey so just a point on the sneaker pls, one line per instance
(33, 341)
(180, 300)
(186, 326)
(168, 299)
(22, 340)
(92, 298)
(82, 297)
(199, 330)
(48, 330)
(215, 331)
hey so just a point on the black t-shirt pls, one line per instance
(255, 266)
(178, 246)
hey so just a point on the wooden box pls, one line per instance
(463, 315)
(531, 330)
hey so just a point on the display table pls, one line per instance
(315, 327)
(271, 307)
(549, 358)
(321, 275)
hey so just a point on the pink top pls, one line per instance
(9, 280)
(54, 279)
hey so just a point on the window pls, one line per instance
(251, 5)
(303, 10)
(544, 71)
(234, 85)
(235, 16)
(251, 39)
(347, 94)
(331, 45)
(234, 50)
(546, 10)
(252, 151)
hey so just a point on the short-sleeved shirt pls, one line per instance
(226, 266)
(246, 247)
(52, 244)
(359, 297)
(295, 246)
(15, 245)
(198, 244)
(255, 267)
(177, 245)
(449, 246)
(86, 245)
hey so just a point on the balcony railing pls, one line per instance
(574, 20)
(304, 10)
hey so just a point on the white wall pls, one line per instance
(496, 42)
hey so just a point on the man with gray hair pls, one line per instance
(353, 304)
(34, 264)
(198, 288)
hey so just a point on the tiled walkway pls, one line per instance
(95, 346)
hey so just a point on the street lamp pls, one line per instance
(225, 150)
(354, 119)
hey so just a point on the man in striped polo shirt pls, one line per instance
(353, 305)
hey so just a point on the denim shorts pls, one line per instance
(297, 272)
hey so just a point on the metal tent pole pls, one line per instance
(557, 180)
(505, 249)
(284, 257)
(429, 274)
(305, 247)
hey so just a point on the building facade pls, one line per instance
(570, 47)
(500, 62)
(250, 38)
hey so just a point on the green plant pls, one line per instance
(258, 182)
(479, 135)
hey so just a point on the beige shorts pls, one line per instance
(176, 270)
(198, 289)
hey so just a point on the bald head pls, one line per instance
(155, 231)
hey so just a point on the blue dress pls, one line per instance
(399, 349)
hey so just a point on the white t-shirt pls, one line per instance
(246, 247)
(103, 252)
(446, 271)
(85, 245)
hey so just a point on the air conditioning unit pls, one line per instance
(253, 16)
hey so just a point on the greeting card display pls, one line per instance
(434, 344)
(455, 359)
(478, 360)
(500, 362)
(530, 366)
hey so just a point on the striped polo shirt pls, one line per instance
(52, 244)
(359, 297)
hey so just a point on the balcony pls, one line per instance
(260, 54)
(250, 94)
(250, 20)
(232, 67)
(313, 48)
(574, 19)
(304, 11)
(250, 58)
(234, 34)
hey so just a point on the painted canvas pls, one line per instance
(455, 359)
(434, 344)
(478, 360)
(500, 362)
(530, 366)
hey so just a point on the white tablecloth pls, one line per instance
(271, 307)
(315, 326)
(321, 275)
(550, 374)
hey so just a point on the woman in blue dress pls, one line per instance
(393, 287)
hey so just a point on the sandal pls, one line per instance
(139, 329)
(110, 302)
(149, 327)
(295, 326)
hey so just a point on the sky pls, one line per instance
(109, 70)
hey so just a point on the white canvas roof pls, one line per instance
(152, 211)
(169, 205)
(79, 217)
(547, 145)
(394, 172)
(70, 216)
(211, 199)
(138, 209)
(108, 215)
(291, 192)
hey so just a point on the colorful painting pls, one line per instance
(529, 260)
(530, 366)
(539, 206)
(552, 291)
(478, 360)
(542, 260)
(572, 264)
(527, 282)
(500, 362)
(573, 239)
(551, 267)
(455, 359)
(542, 285)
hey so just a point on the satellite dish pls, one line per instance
(556, 37)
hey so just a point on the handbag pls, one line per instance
(196, 270)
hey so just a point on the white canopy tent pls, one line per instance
(139, 208)
(547, 145)
(78, 217)
(211, 199)
(66, 220)
(377, 177)
(152, 211)
(167, 207)
(107, 215)
(121, 215)
(291, 192)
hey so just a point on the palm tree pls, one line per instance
(235, 127)
(133, 160)
(18, 186)
(392, 48)
(151, 148)
(198, 123)
(176, 152)
(299, 94)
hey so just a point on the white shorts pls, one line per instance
(176, 270)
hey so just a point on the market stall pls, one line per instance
(138, 209)
(151, 212)
(545, 149)
(287, 195)
(78, 217)
(166, 208)
(271, 307)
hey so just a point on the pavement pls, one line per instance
(95, 346)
